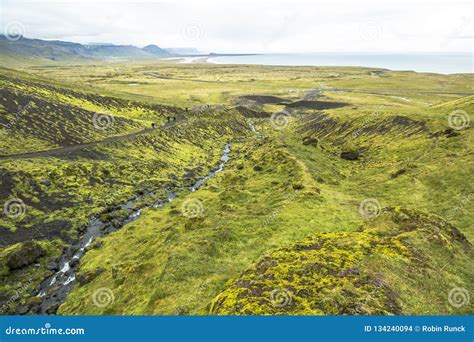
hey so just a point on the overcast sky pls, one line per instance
(252, 26)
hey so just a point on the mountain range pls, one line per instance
(56, 50)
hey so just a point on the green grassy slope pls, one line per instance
(398, 263)
(36, 116)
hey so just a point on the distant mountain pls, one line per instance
(155, 50)
(61, 50)
(36, 48)
(117, 51)
(96, 43)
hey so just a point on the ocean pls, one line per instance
(435, 63)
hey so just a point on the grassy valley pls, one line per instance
(347, 190)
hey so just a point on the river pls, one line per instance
(55, 289)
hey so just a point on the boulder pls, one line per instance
(35, 303)
(52, 309)
(310, 141)
(398, 173)
(52, 266)
(74, 262)
(85, 277)
(350, 155)
(45, 182)
(21, 309)
(297, 186)
(24, 255)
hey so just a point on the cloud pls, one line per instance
(252, 26)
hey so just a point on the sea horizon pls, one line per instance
(430, 62)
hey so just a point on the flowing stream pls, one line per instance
(55, 289)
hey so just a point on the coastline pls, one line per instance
(460, 63)
(422, 63)
(205, 58)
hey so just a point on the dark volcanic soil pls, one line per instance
(39, 231)
(250, 113)
(265, 99)
(320, 105)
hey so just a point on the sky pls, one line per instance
(258, 26)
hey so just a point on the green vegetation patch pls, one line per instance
(371, 272)
(22, 267)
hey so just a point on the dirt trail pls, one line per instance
(73, 148)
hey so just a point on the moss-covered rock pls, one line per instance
(341, 273)
(24, 254)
